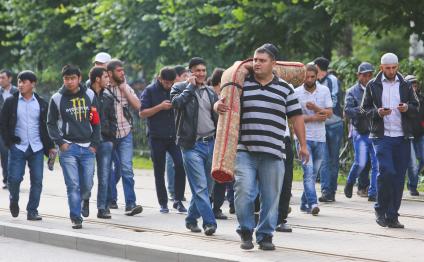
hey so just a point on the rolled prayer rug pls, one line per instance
(227, 133)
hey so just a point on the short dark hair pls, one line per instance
(311, 67)
(8, 73)
(322, 63)
(168, 73)
(179, 69)
(69, 70)
(95, 72)
(216, 76)
(196, 61)
(113, 64)
(270, 49)
(27, 75)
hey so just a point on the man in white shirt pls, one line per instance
(316, 103)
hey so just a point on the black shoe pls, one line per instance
(395, 224)
(193, 228)
(284, 227)
(164, 209)
(132, 211)
(107, 210)
(232, 209)
(348, 190)
(76, 223)
(315, 210)
(113, 205)
(209, 229)
(220, 215)
(33, 217)
(414, 192)
(325, 198)
(85, 210)
(246, 239)
(266, 243)
(380, 219)
(4, 186)
(14, 209)
(362, 192)
(372, 199)
(178, 205)
(102, 213)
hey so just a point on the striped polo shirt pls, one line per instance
(263, 115)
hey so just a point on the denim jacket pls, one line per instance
(352, 109)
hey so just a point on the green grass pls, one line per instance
(140, 162)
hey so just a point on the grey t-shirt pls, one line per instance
(205, 124)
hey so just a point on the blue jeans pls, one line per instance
(263, 173)
(393, 155)
(78, 170)
(364, 150)
(115, 176)
(330, 165)
(104, 166)
(198, 163)
(414, 168)
(310, 171)
(124, 150)
(17, 161)
(170, 175)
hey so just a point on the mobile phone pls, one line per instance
(386, 108)
(401, 104)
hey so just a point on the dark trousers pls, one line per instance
(218, 196)
(158, 148)
(393, 155)
(283, 205)
(4, 154)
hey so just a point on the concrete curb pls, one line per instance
(108, 246)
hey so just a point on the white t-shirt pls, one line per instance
(315, 131)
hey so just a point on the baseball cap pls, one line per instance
(365, 67)
(102, 57)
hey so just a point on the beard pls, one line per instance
(117, 80)
(309, 85)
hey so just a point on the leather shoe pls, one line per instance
(380, 219)
(193, 228)
(325, 198)
(85, 210)
(164, 209)
(414, 192)
(113, 205)
(266, 243)
(76, 223)
(284, 227)
(132, 211)
(102, 213)
(395, 224)
(246, 239)
(220, 215)
(209, 229)
(348, 190)
(14, 209)
(33, 217)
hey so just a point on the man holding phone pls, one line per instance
(391, 105)
(316, 108)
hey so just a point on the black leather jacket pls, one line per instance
(186, 106)
(373, 100)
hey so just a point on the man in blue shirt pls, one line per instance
(24, 130)
(157, 108)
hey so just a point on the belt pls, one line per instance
(205, 139)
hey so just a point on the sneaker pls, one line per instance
(14, 208)
(85, 210)
(219, 215)
(209, 229)
(178, 205)
(4, 186)
(171, 197)
(284, 227)
(325, 198)
(315, 210)
(414, 192)
(34, 216)
(132, 211)
(395, 224)
(164, 209)
(246, 239)
(193, 228)
(113, 204)
(266, 243)
(348, 189)
(103, 214)
(76, 223)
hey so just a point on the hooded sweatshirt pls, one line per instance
(68, 119)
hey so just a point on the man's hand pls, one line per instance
(192, 80)
(312, 106)
(92, 149)
(64, 147)
(52, 151)
(384, 111)
(403, 107)
(304, 155)
(321, 116)
(220, 106)
(166, 105)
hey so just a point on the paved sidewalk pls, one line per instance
(343, 231)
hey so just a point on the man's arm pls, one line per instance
(299, 129)
(367, 106)
(413, 103)
(131, 97)
(181, 96)
(95, 135)
(4, 120)
(147, 110)
(52, 128)
(352, 109)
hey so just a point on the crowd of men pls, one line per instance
(91, 124)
